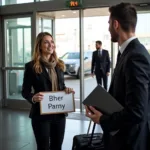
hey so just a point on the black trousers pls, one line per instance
(101, 76)
(49, 133)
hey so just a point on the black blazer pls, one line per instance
(102, 62)
(40, 83)
(130, 86)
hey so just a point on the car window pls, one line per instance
(71, 56)
(88, 54)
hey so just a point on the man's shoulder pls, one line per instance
(138, 51)
(104, 50)
(136, 47)
(95, 51)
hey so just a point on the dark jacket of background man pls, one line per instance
(100, 64)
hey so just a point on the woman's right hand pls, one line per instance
(37, 97)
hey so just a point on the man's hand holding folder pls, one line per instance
(99, 103)
(94, 114)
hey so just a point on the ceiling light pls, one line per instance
(74, 12)
(63, 15)
(142, 5)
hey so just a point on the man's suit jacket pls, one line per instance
(40, 83)
(131, 88)
(102, 62)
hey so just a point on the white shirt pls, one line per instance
(100, 51)
(125, 44)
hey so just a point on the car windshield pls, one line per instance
(71, 56)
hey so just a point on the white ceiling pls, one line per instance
(75, 13)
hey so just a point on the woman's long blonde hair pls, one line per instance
(37, 54)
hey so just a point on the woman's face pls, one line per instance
(47, 45)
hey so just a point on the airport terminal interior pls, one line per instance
(75, 30)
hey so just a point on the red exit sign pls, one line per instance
(73, 3)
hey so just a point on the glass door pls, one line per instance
(143, 30)
(46, 24)
(17, 53)
(95, 32)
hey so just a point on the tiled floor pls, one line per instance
(16, 132)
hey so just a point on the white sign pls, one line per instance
(57, 102)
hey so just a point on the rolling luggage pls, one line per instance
(93, 141)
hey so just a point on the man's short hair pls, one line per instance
(99, 42)
(125, 14)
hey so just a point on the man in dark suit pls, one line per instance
(128, 129)
(100, 64)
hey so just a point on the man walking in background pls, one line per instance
(100, 64)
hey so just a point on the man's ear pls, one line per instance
(115, 24)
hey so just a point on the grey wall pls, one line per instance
(59, 5)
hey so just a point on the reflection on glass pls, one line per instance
(9, 2)
(14, 86)
(18, 41)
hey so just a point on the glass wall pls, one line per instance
(67, 39)
(17, 53)
(68, 49)
(18, 44)
(10, 2)
(143, 29)
(95, 28)
(45, 25)
(67, 46)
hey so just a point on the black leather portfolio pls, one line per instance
(102, 101)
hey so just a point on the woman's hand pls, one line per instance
(37, 97)
(69, 90)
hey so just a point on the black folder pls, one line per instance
(102, 101)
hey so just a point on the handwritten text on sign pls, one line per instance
(57, 102)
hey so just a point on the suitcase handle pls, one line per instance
(90, 141)
(89, 127)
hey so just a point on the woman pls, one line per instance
(45, 73)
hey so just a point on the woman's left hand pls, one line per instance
(69, 90)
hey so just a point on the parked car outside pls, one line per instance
(72, 62)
